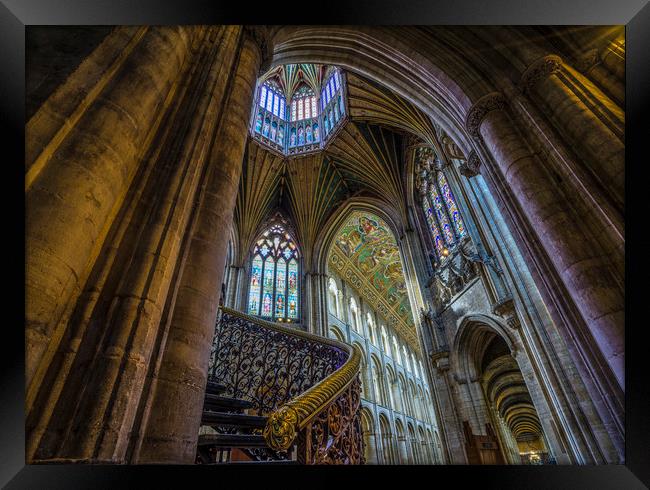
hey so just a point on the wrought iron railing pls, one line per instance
(307, 385)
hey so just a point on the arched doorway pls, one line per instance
(504, 426)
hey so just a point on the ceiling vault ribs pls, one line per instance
(258, 189)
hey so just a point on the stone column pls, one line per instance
(77, 182)
(584, 273)
(346, 307)
(173, 417)
(593, 125)
(585, 117)
(371, 441)
(589, 47)
(235, 290)
(449, 423)
(315, 303)
(606, 47)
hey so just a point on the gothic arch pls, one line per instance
(386, 435)
(466, 346)
(396, 220)
(338, 334)
(369, 432)
(327, 236)
(483, 358)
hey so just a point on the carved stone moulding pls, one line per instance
(440, 360)
(471, 167)
(505, 308)
(539, 70)
(493, 101)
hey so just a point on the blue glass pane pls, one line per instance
(276, 105)
(256, 281)
(263, 96)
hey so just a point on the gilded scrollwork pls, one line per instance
(305, 384)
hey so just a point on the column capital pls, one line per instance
(471, 167)
(493, 101)
(538, 70)
(440, 359)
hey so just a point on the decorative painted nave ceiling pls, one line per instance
(364, 159)
(365, 254)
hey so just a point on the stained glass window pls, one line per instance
(442, 215)
(298, 107)
(256, 279)
(269, 101)
(263, 96)
(274, 280)
(276, 106)
(433, 227)
(456, 218)
(292, 296)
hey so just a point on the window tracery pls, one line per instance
(274, 278)
(441, 212)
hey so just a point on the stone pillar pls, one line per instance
(235, 288)
(584, 274)
(76, 184)
(585, 117)
(317, 298)
(449, 423)
(589, 47)
(346, 305)
(593, 125)
(606, 48)
(172, 421)
(96, 366)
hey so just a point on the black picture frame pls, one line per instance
(16, 15)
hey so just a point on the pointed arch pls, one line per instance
(274, 283)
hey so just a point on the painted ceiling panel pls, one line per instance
(365, 253)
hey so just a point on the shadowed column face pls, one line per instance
(74, 188)
(582, 271)
(175, 413)
(99, 371)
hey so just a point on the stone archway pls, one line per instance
(503, 421)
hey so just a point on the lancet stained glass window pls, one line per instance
(441, 212)
(274, 280)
